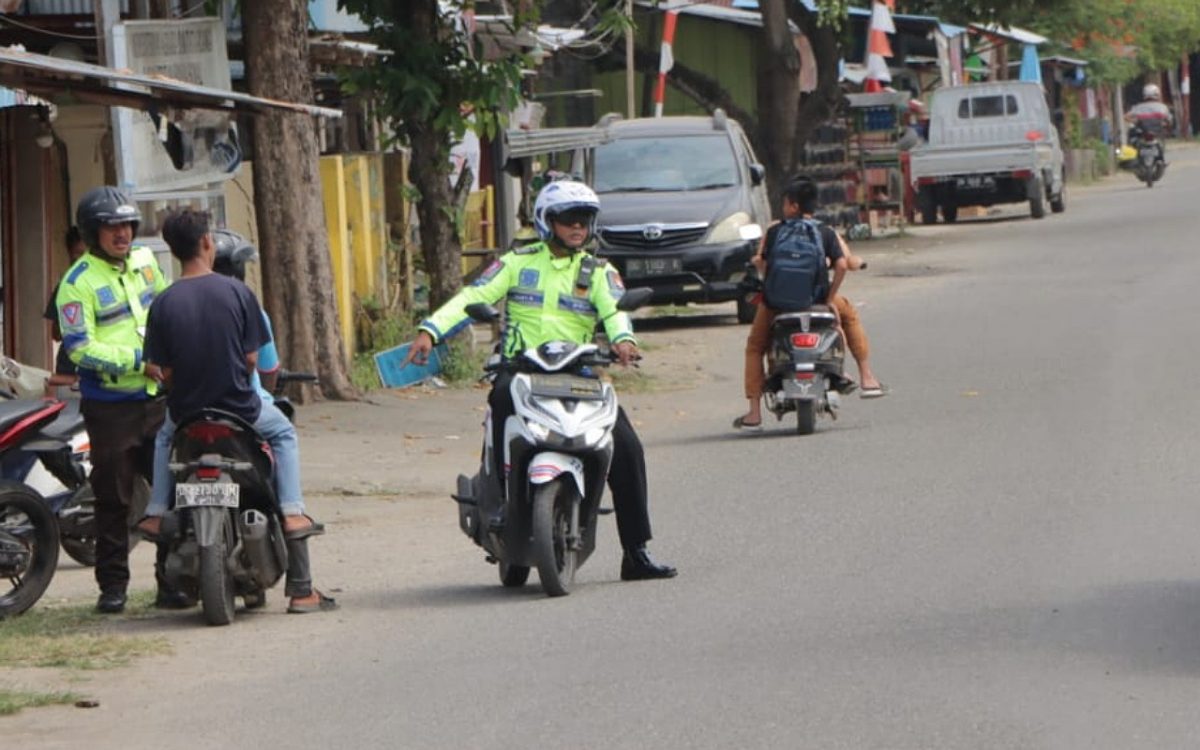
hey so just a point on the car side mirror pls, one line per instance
(482, 312)
(632, 299)
(758, 173)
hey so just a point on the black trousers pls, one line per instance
(626, 477)
(122, 436)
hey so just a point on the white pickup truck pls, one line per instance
(989, 143)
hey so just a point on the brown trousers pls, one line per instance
(760, 337)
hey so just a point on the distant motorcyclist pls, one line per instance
(556, 291)
(1151, 116)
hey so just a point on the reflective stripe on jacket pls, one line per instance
(542, 301)
(102, 311)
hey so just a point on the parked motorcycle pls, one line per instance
(805, 367)
(558, 449)
(29, 531)
(1144, 156)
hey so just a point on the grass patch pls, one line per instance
(12, 701)
(630, 380)
(72, 637)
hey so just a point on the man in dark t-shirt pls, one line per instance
(205, 331)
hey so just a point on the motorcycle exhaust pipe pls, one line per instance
(265, 566)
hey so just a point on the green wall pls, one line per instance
(725, 52)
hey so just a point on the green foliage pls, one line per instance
(73, 637)
(12, 701)
(430, 77)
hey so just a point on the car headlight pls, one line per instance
(729, 229)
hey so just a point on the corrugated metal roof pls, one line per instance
(523, 143)
(44, 75)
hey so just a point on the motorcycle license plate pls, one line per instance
(566, 386)
(208, 495)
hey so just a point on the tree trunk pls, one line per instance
(297, 271)
(429, 172)
(778, 96)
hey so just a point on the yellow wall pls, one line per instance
(337, 221)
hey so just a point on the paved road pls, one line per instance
(1001, 554)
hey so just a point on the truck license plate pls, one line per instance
(976, 183)
(642, 267)
(208, 495)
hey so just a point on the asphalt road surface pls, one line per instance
(1002, 553)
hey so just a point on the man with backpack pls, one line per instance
(794, 261)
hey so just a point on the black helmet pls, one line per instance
(101, 206)
(233, 252)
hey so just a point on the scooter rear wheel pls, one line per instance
(216, 581)
(806, 417)
(513, 576)
(25, 518)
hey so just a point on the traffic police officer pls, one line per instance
(556, 292)
(102, 306)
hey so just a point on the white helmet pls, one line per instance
(1152, 93)
(559, 198)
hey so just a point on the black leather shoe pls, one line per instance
(637, 565)
(111, 602)
(172, 599)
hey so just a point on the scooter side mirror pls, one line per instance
(482, 312)
(635, 298)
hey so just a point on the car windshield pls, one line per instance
(666, 164)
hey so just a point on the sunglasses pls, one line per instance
(574, 218)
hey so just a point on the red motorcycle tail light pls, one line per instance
(805, 340)
(208, 473)
(806, 375)
(208, 432)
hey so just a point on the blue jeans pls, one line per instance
(275, 429)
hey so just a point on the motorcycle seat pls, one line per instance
(68, 423)
(12, 413)
(817, 316)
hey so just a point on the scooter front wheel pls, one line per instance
(554, 505)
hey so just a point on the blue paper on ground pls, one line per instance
(391, 373)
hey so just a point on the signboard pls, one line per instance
(171, 150)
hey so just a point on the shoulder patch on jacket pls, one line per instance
(529, 249)
(79, 269)
(490, 273)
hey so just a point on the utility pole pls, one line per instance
(630, 112)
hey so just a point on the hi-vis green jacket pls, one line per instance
(102, 312)
(545, 300)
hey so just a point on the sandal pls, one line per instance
(322, 604)
(741, 424)
(314, 528)
(876, 392)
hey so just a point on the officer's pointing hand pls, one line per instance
(627, 352)
(418, 352)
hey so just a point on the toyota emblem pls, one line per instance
(653, 232)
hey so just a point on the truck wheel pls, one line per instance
(928, 206)
(950, 212)
(1037, 204)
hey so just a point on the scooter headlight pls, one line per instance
(538, 430)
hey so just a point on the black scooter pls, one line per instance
(805, 367)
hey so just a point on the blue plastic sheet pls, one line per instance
(393, 374)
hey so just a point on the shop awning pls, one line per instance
(523, 143)
(53, 77)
